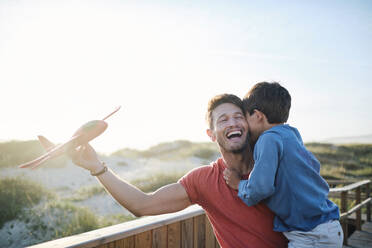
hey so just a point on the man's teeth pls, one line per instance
(234, 133)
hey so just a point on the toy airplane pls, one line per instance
(83, 135)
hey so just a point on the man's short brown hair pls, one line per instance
(272, 99)
(221, 99)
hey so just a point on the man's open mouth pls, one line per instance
(234, 134)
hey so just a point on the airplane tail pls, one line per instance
(47, 144)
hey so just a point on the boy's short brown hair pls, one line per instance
(221, 99)
(272, 99)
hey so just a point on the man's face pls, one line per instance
(229, 128)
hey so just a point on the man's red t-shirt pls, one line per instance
(235, 224)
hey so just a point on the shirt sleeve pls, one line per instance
(190, 182)
(261, 183)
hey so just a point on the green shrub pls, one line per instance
(56, 219)
(156, 181)
(17, 194)
(332, 172)
(176, 150)
(362, 173)
(113, 219)
(69, 219)
(87, 192)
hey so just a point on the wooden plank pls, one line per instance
(210, 241)
(143, 240)
(367, 227)
(199, 231)
(174, 235)
(187, 233)
(125, 243)
(111, 245)
(159, 237)
(360, 239)
(102, 246)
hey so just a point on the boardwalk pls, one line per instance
(191, 227)
(361, 239)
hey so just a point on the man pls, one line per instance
(235, 225)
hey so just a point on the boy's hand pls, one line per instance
(232, 178)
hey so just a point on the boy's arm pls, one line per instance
(232, 178)
(261, 182)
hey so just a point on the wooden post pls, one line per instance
(368, 204)
(358, 222)
(343, 210)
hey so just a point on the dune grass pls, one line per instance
(43, 215)
(343, 161)
(176, 150)
(16, 194)
(87, 192)
(154, 182)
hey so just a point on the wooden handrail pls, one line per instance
(344, 195)
(350, 186)
(121, 231)
(355, 208)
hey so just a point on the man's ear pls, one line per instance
(211, 134)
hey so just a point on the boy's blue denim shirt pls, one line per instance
(286, 176)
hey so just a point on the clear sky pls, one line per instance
(63, 63)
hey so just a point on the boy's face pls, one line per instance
(255, 125)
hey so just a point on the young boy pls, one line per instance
(285, 174)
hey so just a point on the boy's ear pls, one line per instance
(260, 116)
(211, 134)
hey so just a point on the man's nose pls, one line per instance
(232, 122)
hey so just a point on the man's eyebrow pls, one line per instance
(224, 115)
(238, 112)
(219, 117)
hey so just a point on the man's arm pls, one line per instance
(167, 199)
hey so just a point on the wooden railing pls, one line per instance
(191, 227)
(187, 228)
(362, 189)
